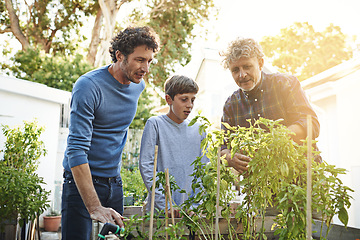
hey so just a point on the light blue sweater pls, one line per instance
(178, 146)
(101, 112)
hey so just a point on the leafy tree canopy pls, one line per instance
(143, 112)
(54, 27)
(50, 25)
(57, 71)
(303, 52)
(174, 21)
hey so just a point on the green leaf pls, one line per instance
(343, 216)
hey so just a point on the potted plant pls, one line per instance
(21, 188)
(52, 221)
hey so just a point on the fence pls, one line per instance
(131, 150)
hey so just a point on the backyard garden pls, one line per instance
(277, 179)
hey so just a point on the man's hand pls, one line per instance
(83, 180)
(239, 162)
(107, 215)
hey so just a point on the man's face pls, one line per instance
(136, 64)
(246, 72)
(181, 106)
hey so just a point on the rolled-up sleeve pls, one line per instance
(298, 106)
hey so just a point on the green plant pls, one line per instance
(277, 177)
(133, 185)
(21, 188)
(53, 213)
(205, 184)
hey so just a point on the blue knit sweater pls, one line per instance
(101, 112)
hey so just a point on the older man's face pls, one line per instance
(246, 72)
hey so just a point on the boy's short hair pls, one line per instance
(179, 84)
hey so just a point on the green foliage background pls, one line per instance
(57, 71)
(301, 51)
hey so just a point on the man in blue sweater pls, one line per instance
(103, 105)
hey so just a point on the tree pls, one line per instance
(54, 26)
(143, 112)
(174, 21)
(57, 71)
(50, 25)
(303, 52)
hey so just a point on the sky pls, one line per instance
(258, 18)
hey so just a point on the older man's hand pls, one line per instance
(239, 162)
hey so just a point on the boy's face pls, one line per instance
(181, 106)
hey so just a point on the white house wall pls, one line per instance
(216, 85)
(27, 101)
(349, 132)
(336, 105)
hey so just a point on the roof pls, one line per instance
(33, 89)
(333, 74)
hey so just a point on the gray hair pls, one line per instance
(241, 47)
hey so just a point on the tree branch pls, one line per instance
(15, 25)
(6, 30)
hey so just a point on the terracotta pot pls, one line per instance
(52, 223)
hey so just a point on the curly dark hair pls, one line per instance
(130, 38)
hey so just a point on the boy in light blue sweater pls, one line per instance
(178, 144)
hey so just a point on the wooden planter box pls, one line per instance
(337, 232)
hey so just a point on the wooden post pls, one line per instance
(166, 211)
(153, 197)
(217, 197)
(169, 196)
(309, 180)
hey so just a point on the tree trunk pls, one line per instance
(15, 26)
(109, 10)
(95, 38)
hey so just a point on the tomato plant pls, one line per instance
(276, 178)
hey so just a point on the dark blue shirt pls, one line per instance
(276, 96)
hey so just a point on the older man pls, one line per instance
(271, 96)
